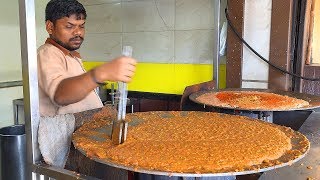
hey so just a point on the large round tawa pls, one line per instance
(98, 131)
(314, 101)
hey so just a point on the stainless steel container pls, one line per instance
(13, 152)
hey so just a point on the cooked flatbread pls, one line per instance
(192, 142)
(251, 100)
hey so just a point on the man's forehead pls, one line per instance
(77, 16)
(72, 18)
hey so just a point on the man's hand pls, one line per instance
(119, 69)
(74, 89)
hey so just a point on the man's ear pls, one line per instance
(49, 26)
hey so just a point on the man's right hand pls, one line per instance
(119, 69)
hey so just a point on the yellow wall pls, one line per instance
(169, 78)
(316, 33)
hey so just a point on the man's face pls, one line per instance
(67, 31)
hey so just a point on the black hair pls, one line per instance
(57, 9)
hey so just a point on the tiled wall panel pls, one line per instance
(194, 46)
(101, 46)
(104, 18)
(97, 2)
(257, 25)
(148, 16)
(191, 14)
(257, 85)
(151, 46)
(160, 31)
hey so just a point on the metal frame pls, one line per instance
(35, 169)
(10, 84)
(216, 40)
(30, 80)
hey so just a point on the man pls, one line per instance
(64, 86)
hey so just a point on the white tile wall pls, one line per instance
(194, 46)
(95, 2)
(258, 85)
(10, 36)
(10, 59)
(148, 15)
(151, 46)
(257, 25)
(191, 14)
(161, 31)
(40, 22)
(103, 18)
(101, 46)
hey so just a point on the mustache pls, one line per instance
(77, 38)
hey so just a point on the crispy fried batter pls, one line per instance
(193, 142)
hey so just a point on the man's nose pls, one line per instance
(78, 31)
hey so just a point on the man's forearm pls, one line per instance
(74, 89)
